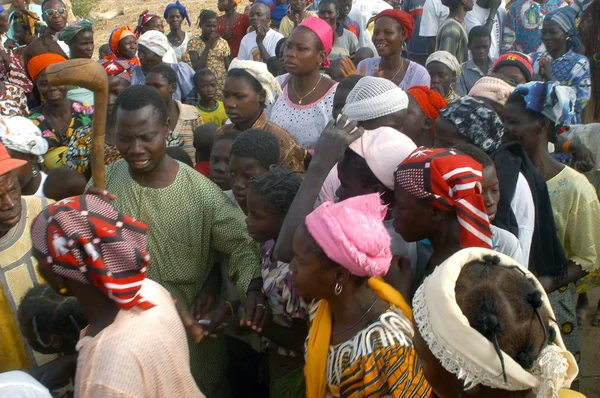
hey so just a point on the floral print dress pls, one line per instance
(77, 138)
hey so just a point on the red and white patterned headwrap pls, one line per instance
(84, 238)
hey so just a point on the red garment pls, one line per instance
(239, 29)
(203, 167)
(353, 27)
(450, 181)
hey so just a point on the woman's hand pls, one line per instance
(203, 304)
(207, 326)
(212, 40)
(227, 35)
(583, 158)
(335, 139)
(546, 69)
(255, 312)
(101, 192)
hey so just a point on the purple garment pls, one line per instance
(416, 75)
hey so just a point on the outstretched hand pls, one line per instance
(255, 312)
(335, 139)
(101, 192)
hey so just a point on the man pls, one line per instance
(17, 266)
(190, 219)
(54, 13)
(417, 45)
(362, 12)
(434, 15)
(488, 13)
(259, 45)
(480, 64)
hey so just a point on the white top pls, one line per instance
(434, 15)
(40, 192)
(249, 49)
(17, 384)
(362, 11)
(182, 48)
(507, 243)
(524, 210)
(305, 122)
(478, 16)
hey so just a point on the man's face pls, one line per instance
(10, 201)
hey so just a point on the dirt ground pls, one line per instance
(590, 342)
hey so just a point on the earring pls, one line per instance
(338, 289)
(34, 171)
(62, 291)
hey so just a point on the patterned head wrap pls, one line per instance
(158, 43)
(402, 17)
(69, 32)
(179, 7)
(118, 68)
(116, 36)
(28, 18)
(476, 121)
(143, 20)
(552, 100)
(352, 234)
(21, 135)
(492, 88)
(513, 58)
(447, 59)
(84, 238)
(39, 63)
(450, 181)
(565, 18)
(260, 72)
(469, 355)
(430, 101)
(374, 97)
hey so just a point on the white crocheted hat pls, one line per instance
(374, 97)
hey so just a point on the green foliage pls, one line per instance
(82, 8)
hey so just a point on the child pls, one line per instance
(209, 50)
(252, 154)
(211, 109)
(345, 20)
(219, 159)
(180, 154)
(103, 51)
(203, 141)
(63, 183)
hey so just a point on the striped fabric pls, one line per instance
(451, 181)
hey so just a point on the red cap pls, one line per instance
(7, 163)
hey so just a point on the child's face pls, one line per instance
(345, 7)
(490, 191)
(209, 27)
(264, 220)
(219, 164)
(298, 5)
(206, 86)
(241, 171)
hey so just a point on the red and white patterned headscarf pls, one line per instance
(84, 238)
(451, 181)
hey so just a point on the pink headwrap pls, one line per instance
(323, 31)
(352, 234)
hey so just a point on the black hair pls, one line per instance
(139, 96)
(207, 15)
(476, 153)
(518, 98)
(505, 305)
(361, 169)
(166, 71)
(279, 187)
(180, 154)
(348, 83)
(259, 145)
(238, 73)
(203, 72)
(204, 136)
(231, 135)
(50, 313)
(478, 32)
(64, 183)
(278, 46)
(334, 2)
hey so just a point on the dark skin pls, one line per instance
(166, 90)
(29, 184)
(442, 77)
(490, 190)
(82, 45)
(446, 135)
(555, 40)
(241, 170)
(176, 36)
(260, 17)
(303, 58)
(328, 12)
(243, 104)
(10, 202)
(533, 134)
(156, 23)
(22, 34)
(298, 11)
(231, 15)
(57, 108)
(492, 5)
(480, 48)
(57, 21)
(116, 85)
(345, 8)
(206, 87)
(389, 38)
(511, 73)
(461, 10)
(127, 47)
(394, 120)
(148, 59)
(4, 24)
(210, 38)
(417, 125)
(219, 164)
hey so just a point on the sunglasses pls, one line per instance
(51, 12)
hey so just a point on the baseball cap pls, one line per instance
(7, 163)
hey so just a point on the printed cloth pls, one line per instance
(115, 38)
(215, 61)
(565, 18)
(13, 102)
(453, 37)
(21, 135)
(117, 67)
(145, 17)
(71, 30)
(238, 30)
(552, 100)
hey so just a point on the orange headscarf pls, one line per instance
(115, 38)
(430, 101)
(39, 63)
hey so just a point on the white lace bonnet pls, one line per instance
(468, 354)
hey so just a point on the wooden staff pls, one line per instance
(91, 75)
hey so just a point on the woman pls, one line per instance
(65, 124)
(532, 115)
(248, 91)
(443, 68)
(135, 343)
(345, 43)
(360, 331)
(24, 141)
(514, 66)
(175, 14)
(208, 50)
(79, 36)
(452, 35)
(424, 105)
(560, 62)
(148, 21)
(123, 44)
(393, 28)
(22, 24)
(232, 26)
(492, 90)
(484, 328)
(295, 16)
(307, 101)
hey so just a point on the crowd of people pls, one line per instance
(334, 198)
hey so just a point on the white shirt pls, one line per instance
(40, 191)
(362, 11)
(20, 384)
(478, 16)
(249, 49)
(434, 15)
(508, 244)
(524, 210)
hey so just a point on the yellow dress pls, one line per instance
(216, 57)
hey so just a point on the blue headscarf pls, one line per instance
(552, 100)
(182, 10)
(565, 18)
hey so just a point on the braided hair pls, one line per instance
(278, 186)
(49, 313)
(505, 306)
(206, 15)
